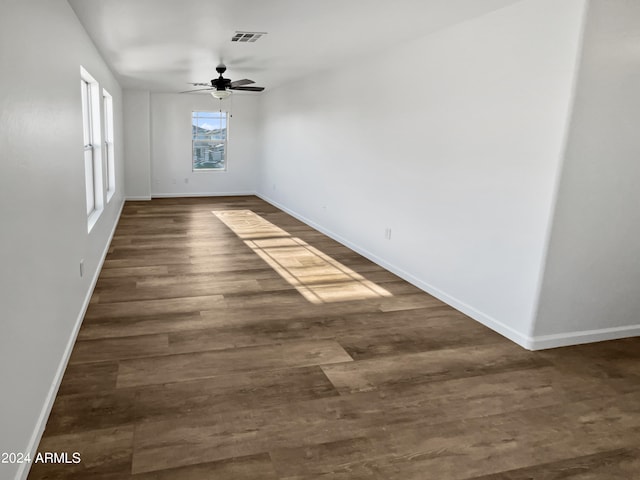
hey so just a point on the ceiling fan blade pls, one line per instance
(239, 83)
(197, 90)
(201, 84)
(248, 89)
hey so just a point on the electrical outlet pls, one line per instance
(186, 180)
(81, 267)
(387, 233)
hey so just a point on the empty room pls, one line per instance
(299, 240)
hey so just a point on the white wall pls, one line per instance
(137, 144)
(171, 171)
(453, 141)
(42, 207)
(592, 277)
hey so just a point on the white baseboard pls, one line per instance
(522, 339)
(586, 336)
(201, 194)
(32, 447)
(136, 199)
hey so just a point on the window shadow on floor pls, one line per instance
(317, 276)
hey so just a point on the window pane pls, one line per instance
(208, 154)
(86, 115)
(108, 141)
(88, 175)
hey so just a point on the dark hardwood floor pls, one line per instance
(258, 348)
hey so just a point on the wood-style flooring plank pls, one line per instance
(133, 271)
(251, 312)
(251, 467)
(107, 327)
(106, 349)
(86, 411)
(191, 366)
(621, 463)
(91, 377)
(615, 362)
(241, 277)
(183, 290)
(78, 412)
(153, 307)
(232, 392)
(104, 454)
(430, 366)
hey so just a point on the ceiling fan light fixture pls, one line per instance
(220, 94)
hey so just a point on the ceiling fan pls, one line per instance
(220, 87)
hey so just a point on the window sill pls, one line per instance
(93, 219)
(196, 170)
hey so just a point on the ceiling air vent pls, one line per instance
(247, 36)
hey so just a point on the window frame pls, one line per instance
(225, 141)
(90, 101)
(110, 176)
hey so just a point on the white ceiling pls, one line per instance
(161, 45)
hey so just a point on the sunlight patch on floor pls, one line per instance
(318, 277)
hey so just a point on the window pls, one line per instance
(92, 154)
(108, 143)
(209, 140)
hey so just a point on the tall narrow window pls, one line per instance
(108, 143)
(88, 147)
(92, 153)
(209, 140)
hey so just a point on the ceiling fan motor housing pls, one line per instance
(220, 83)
